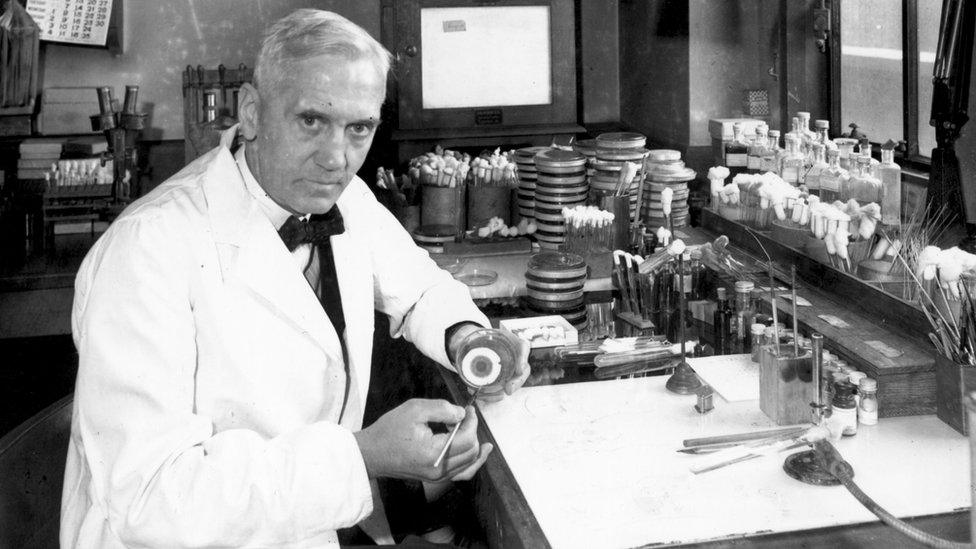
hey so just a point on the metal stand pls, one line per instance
(684, 381)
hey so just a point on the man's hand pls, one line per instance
(401, 443)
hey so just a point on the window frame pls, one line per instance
(911, 158)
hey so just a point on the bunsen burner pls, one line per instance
(554, 286)
(560, 183)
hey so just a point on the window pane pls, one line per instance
(870, 66)
(928, 39)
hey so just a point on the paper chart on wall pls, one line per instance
(72, 21)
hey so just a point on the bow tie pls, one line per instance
(316, 230)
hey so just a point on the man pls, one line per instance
(217, 402)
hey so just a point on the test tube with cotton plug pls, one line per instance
(716, 180)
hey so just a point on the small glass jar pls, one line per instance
(867, 408)
(844, 416)
(757, 336)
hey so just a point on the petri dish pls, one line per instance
(478, 277)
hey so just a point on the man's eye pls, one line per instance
(360, 130)
(310, 121)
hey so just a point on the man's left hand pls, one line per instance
(521, 373)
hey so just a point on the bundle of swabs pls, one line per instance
(588, 229)
(946, 282)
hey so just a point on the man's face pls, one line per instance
(308, 135)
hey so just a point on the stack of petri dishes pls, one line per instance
(560, 183)
(612, 150)
(666, 170)
(525, 196)
(554, 283)
(587, 147)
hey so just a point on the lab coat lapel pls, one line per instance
(251, 254)
(356, 288)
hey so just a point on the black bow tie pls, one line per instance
(316, 230)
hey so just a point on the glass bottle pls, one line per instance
(807, 136)
(720, 323)
(699, 276)
(756, 340)
(865, 188)
(823, 133)
(846, 147)
(812, 178)
(743, 315)
(736, 152)
(833, 178)
(890, 175)
(770, 159)
(757, 149)
(844, 415)
(867, 408)
(702, 348)
(757, 306)
(791, 167)
(666, 298)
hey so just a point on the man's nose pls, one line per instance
(331, 153)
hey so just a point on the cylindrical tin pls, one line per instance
(442, 206)
(486, 202)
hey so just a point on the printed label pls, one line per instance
(455, 25)
(885, 349)
(829, 183)
(834, 321)
(753, 162)
(736, 160)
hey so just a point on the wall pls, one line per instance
(162, 37)
(599, 61)
(654, 85)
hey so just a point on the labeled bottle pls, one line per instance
(855, 378)
(720, 323)
(792, 165)
(699, 276)
(844, 416)
(770, 159)
(757, 338)
(736, 152)
(757, 149)
(832, 179)
(867, 408)
(865, 188)
(890, 175)
(743, 316)
(807, 136)
(817, 167)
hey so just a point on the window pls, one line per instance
(885, 91)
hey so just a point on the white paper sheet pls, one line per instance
(735, 377)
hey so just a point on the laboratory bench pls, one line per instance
(583, 462)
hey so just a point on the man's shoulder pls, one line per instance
(180, 195)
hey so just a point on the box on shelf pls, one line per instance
(542, 331)
(67, 110)
(721, 131)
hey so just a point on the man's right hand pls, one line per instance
(401, 444)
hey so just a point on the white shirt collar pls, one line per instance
(275, 213)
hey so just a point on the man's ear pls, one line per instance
(248, 105)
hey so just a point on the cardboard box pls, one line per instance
(67, 111)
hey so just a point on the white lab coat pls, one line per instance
(210, 381)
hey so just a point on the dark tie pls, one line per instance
(317, 231)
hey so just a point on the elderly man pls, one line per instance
(224, 333)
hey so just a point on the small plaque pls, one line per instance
(885, 349)
(834, 321)
(488, 117)
(455, 25)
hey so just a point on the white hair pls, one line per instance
(307, 33)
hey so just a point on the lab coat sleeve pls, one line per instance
(159, 472)
(421, 299)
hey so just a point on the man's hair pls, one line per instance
(307, 33)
